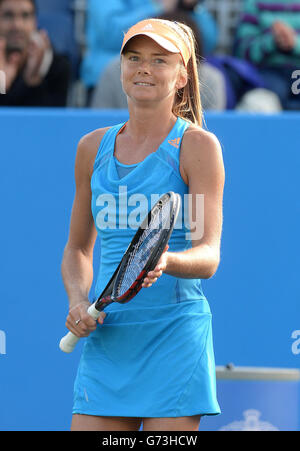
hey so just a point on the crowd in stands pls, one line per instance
(43, 55)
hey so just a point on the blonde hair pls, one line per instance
(187, 102)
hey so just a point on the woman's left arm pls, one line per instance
(202, 169)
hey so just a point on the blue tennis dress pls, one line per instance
(152, 357)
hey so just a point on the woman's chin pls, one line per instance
(142, 98)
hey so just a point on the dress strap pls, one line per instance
(169, 150)
(107, 144)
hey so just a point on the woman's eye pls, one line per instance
(135, 58)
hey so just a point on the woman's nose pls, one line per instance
(144, 67)
(144, 71)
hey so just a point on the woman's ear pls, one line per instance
(182, 78)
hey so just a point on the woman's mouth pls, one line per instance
(140, 83)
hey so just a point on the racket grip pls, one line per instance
(68, 342)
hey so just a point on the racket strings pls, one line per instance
(160, 221)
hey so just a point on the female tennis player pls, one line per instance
(150, 361)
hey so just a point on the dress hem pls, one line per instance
(107, 414)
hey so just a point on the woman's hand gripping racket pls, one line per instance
(142, 256)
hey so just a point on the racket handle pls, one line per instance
(69, 341)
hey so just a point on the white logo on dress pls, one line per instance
(251, 423)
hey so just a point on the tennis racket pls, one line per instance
(141, 256)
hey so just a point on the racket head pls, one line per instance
(146, 247)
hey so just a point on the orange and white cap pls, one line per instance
(167, 34)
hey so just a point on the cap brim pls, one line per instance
(164, 43)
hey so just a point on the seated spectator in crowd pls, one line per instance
(58, 18)
(109, 92)
(269, 37)
(35, 75)
(108, 21)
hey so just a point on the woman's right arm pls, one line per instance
(77, 263)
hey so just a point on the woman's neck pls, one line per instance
(146, 122)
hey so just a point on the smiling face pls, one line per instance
(149, 73)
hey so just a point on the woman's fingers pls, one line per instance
(80, 322)
(157, 272)
(152, 277)
(101, 318)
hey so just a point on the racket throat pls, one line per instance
(104, 303)
(133, 290)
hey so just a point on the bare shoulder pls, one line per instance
(199, 142)
(87, 149)
(200, 151)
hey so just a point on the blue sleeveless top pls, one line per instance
(120, 204)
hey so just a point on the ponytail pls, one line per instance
(187, 103)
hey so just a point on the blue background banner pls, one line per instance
(254, 296)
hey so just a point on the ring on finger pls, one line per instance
(77, 321)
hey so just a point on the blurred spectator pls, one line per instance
(109, 92)
(35, 74)
(57, 17)
(240, 77)
(269, 37)
(204, 21)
